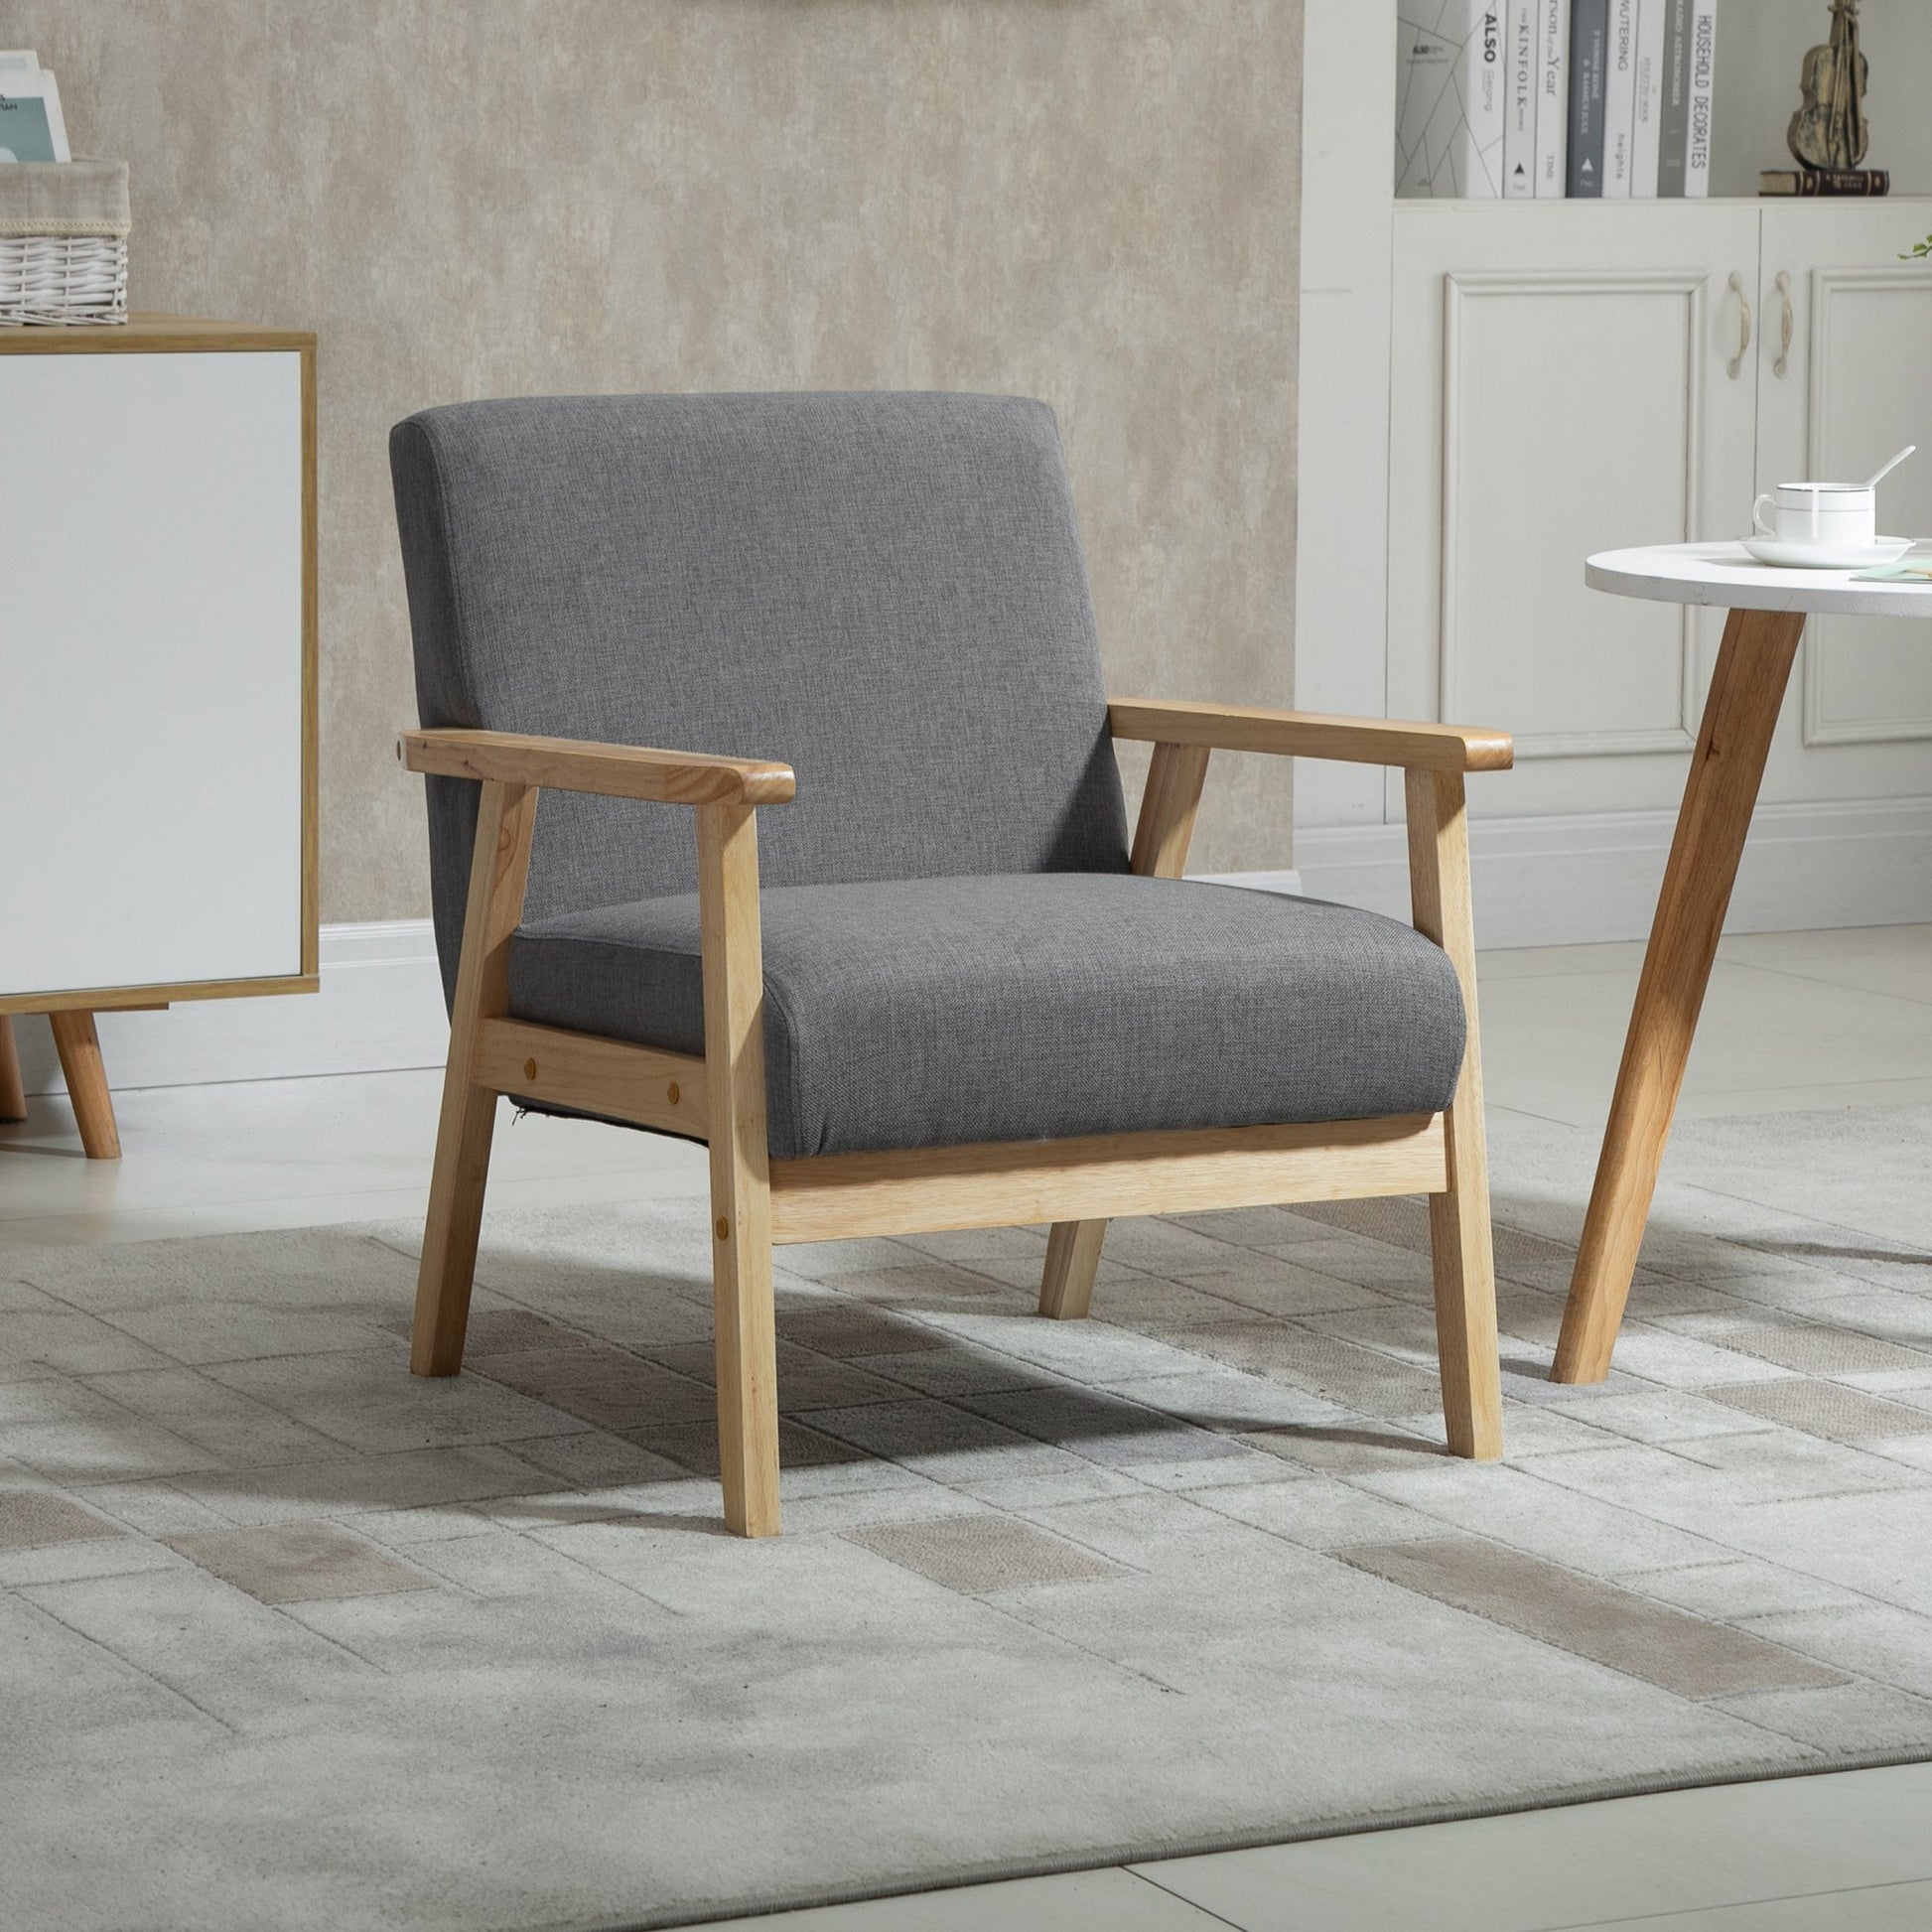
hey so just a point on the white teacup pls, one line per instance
(1841, 515)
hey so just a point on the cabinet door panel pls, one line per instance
(1856, 384)
(1870, 391)
(1562, 387)
(150, 670)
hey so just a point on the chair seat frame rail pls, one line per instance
(1074, 1186)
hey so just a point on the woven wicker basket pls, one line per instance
(63, 229)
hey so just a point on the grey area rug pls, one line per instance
(292, 1641)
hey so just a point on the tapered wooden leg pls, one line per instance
(499, 868)
(740, 1186)
(1739, 717)
(1168, 806)
(13, 1094)
(86, 1076)
(1072, 1255)
(1460, 1238)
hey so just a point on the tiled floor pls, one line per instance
(1794, 1021)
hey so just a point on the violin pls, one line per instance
(1829, 130)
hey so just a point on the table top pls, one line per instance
(1725, 575)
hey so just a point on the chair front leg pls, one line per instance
(1169, 805)
(1459, 1220)
(740, 1186)
(499, 869)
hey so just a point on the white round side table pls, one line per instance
(1767, 610)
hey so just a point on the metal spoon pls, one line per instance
(1878, 476)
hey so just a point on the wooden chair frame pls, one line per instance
(1074, 1184)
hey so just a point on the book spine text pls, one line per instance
(1521, 68)
(1589, 30)
(1673, 125)
(1649, 98)
(1619, 99)
(1485, 109)
(1552, 98)
(1697, 138)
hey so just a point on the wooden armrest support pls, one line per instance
(610, 770)
(1300, 734)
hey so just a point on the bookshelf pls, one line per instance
(1491, 389)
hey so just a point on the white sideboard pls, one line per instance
(157, 666)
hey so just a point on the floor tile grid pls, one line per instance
(1585, 1400)
(1378, 1270)
(1206, 1496)
(659, 1355)
(1019, 1409)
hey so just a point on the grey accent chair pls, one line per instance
(939, 989)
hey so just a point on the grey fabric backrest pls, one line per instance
(885, 591)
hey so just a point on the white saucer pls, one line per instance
(1829, 556)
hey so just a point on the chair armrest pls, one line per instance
(610, 770)
(1300, 734)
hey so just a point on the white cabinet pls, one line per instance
(1561, 386)
(1855, 379)
(1574, 379)
(157, 665)
(1564, 378)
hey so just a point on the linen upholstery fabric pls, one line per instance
(925, 1013)
(885, 591)
(65, 198)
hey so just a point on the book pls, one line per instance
(1485, 99)
(1673, 121)
(1450, 107)
(1619, 99)
(30, 128)
(1649, 104)
(1588, 32)
(1552, 98)
(1697, 140)
(1813, 181)
(1521, 69)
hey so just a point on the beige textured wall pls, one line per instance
(1090, 201)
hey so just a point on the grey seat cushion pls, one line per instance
(929, 1012)
(885, 591)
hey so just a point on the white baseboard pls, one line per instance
(1538, 883)
(380, 1007)
(1556, 881)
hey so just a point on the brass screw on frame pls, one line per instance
(670, 1093)
(529, 1069)
(724, 1229)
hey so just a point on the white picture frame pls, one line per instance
(18, 88)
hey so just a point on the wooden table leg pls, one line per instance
(1739, 715)
(13, 1095)
(94, 1105)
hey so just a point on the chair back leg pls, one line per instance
(499, 869)
(1169, 802)
(741, 1185)
(1459, 1220)
(1073, 1259)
